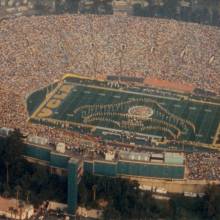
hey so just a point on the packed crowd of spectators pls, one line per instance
(36, 51)
(203, 166)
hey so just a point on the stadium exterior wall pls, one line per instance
(108, 168)
(37, 152)
(88, 166)
(105, 168)
(150, 170)
(59, 160)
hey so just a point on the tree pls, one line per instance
(18, 190)
(83, 194)
(111, 214)
(11, 152)
(28, 193)
(26, 178)
(15, 146)
(15, 212)
(211, 203)
(11, 209)
(20, 206)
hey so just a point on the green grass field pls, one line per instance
(108, 108)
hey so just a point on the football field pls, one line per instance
(102, 107)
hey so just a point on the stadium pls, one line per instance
(144, 106)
